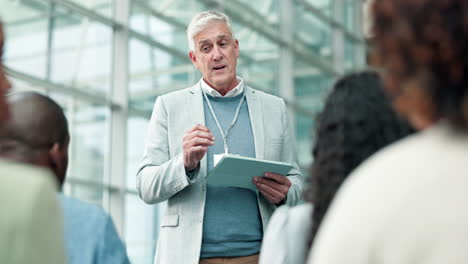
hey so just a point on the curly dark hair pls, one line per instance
(428, 40)
(357, 120)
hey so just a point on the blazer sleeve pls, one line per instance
(160, 175)
(289, 154)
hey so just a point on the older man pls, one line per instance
(205, 223)
(31, 224)
(42, 139)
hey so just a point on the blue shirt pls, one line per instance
(90, 234)
(232, 224)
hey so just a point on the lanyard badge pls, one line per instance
(233, 122)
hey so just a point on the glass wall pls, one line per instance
(72, 50)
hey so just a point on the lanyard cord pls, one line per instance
(234, 120)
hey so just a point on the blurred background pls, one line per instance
(106, 61)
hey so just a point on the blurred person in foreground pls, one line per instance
(219, 114)
(30, 222)
(37, 134)
(357, 121)
(407, 204)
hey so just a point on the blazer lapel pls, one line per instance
(196, 101)
(256, 120)
(197, 114)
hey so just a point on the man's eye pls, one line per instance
(205, 48)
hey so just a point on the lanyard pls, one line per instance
(234, 120)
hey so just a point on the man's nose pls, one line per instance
(217, 55)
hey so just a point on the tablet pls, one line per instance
(238, 171)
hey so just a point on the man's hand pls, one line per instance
(195, 145)
(273, 186)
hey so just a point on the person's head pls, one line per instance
(423, 46)
(36, 133)
(4, 83)
(357, 120)
(213, 49)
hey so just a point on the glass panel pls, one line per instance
(137, 127)
(89, 127)
(180, 10)
(349, 14)
(323, 5)
(262, 75)
(154, 72)
(25, 25)
(350, 60)
(102, 7)
(304, 141)
(314, 33)
(312, 87)
(158, 25)
(86, 192)
(141, 230)
(82, 52)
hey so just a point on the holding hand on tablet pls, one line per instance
(195, 145)
(273, 186)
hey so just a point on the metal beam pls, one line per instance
(60, 88)
(72, 91)
(290, 104)
(87, 13)
(156, 44)
(286, 60)
(338, 40)
(329, 20)
(116, 165)
(160, 14)
(96, 184)
(50, 27)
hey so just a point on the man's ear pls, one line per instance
(193, 58)
(58, 162)
(236, 46)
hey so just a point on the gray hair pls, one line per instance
(201, 20)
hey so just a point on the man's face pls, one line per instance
(215, 56)
(4, 83)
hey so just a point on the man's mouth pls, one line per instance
(217, 68)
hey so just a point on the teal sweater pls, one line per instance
(232, 225)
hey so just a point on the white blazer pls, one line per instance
(161, 175)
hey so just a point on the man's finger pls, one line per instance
(196, 153)
(268, 189)
(197, 149)
(198, 134)
(198, 127)
(274, 185)
(201, 142)
(277, 178)
(270, 198)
